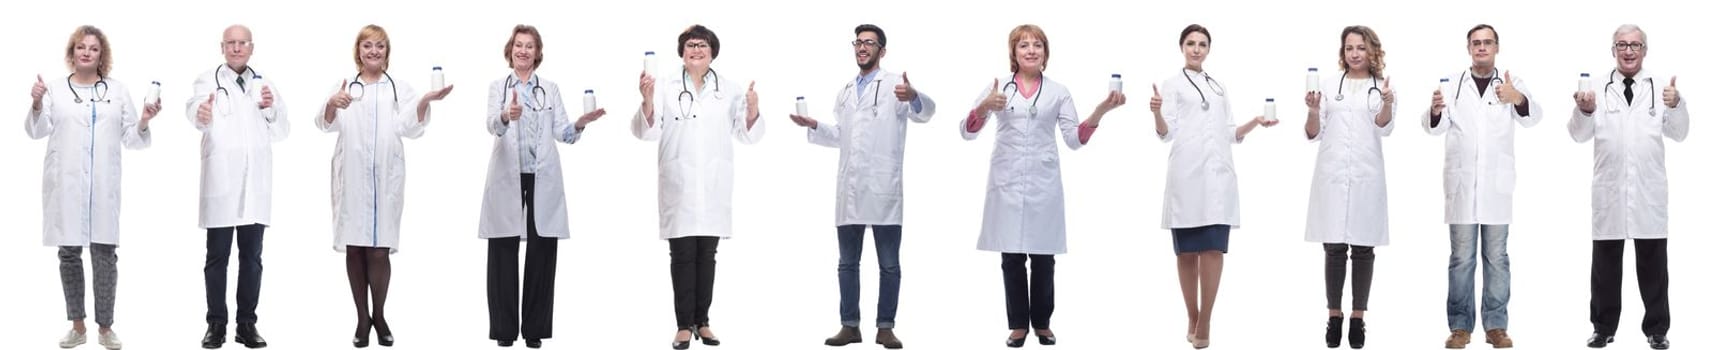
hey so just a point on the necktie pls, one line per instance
(1629, 95)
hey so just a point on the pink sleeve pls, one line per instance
(1084, 132)
(974, 122)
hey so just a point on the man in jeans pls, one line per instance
(872, 111)
(1478, 110)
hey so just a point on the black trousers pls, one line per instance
(1028, 294)
(538, 274)
(692, 278)
(249, 271)
(1361, 275)
(1607, 282)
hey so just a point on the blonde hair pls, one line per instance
(1376, 55)
(524, 29)
(1017, 35)
(103, 64)
(372, 32)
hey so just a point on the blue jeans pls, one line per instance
(1495, 282)
(886, 241)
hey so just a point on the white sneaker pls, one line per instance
(72, 339)
(110, 340)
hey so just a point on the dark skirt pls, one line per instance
(1200, 239)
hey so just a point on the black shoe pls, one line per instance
(248, 336)
(1015, 342)
(683, 344)
(1658, 342)
(696, 333)
(383, 334)
(847, 335)
(532, 343)
(504, 343)
(361, 338)
(680, 345)
(1599, 341)
(1046, 339)
(1358, 333)
(1334, 331)
(215, 336)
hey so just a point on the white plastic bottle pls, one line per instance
(1584, 84)
(802, 107)
(1117, 83)
(1314, 80)
(438, 81)
(588, 101)
(154, 93)
(1271, 111)
(648, 62)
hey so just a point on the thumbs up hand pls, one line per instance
(1155, 102)
(905, 91)
(514, 111)
(994, 101)
(1670, 94)
(1508, 91)
(1386, 91)
(205, 111)
(342, 99)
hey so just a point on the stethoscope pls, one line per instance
(1612, 78)
(357, 85)
(99, 94)
(852, 85)
(1011, 91)
(538, 96)
(1218, 90)
(221, 88)
(684, 105)
(1466, 76)
(1372, 89)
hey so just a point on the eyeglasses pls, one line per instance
(1483, 42)
(237, 43)
(868, 43)
(695, 45)
(1631, 46)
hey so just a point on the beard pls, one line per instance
(870, 65)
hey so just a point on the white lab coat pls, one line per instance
(1025, 208)
(1480, 152)
(695, 158)
(368, 163)
(80, 174)
(1629, 192)
(1347, 200)
(237, 148)
(503, 214)
(1201, 178)
(869, 134)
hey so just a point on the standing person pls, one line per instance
(526, 116)
(1627, 117)
(373, 114)
(1479, 122)
(87, 118)
(1024, 217)
(240, 116)
(695, 164)
(870, 138)
(1200, 206)
(1347, 200)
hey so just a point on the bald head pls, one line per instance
(236, 44)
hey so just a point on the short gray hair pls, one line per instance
(1630, 28)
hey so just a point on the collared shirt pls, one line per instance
(529, 122)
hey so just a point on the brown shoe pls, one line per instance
(1498, 338)
(1458, 339)
(847, 335)
(885, 338)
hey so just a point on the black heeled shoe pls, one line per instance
(1334, 331)
(1046, 339)
(1358, 333)
(383, 334)
(683, 344)
(1015, 342)
(696, 333)
(361, 339)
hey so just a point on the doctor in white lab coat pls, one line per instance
(694, 116)
(1478, 110)
(241, 115)
(1347, 200)
(527, 116)
(86, 117)
(1024, 216)
(372, 114)
(870, 194)
(1626, 114)
(1200, 206)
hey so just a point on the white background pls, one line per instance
(777, 287)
